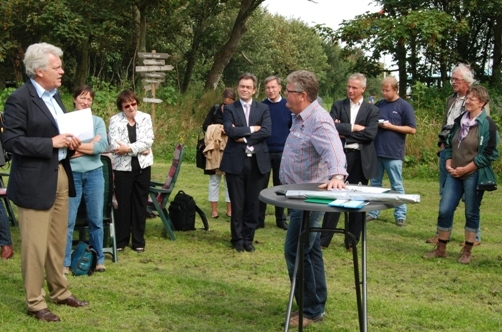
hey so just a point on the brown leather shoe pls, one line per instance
(7, 252)
(72, 301)
(433, 240)
(294, 321)
(476, 243)
(45, 315)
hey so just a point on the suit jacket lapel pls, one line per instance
(252, 113)
(346, 111)
(239, 110)
(40, 104)
(57, 96)
(362, 112)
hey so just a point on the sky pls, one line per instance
(329, 12)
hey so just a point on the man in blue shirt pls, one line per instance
(281, 122)
(397, 119)
(313, 153)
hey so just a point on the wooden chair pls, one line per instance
(160, 192)
(81, 224)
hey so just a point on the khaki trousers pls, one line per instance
(43, 241)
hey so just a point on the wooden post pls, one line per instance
(153, 96)
(153, 72)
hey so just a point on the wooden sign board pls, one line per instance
(152, 100)
(153, 75)
(154, 68)
(152, 80)
(149, 87)
(145, 55)
(154, 62)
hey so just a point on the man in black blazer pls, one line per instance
(41, 179)
(357, 123)
(245, 160)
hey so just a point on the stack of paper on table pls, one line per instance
(348, 204)
(344, 203)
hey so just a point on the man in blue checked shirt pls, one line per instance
(313, 154)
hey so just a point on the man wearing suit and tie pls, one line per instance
(245, 160)
(357, 123)
(41, 179)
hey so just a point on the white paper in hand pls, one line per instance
(78, 123)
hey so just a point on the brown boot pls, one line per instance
(438, 252)
(433, 240)
(466, 255)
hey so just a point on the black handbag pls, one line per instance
(200, 159)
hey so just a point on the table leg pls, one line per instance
(299, 272)
(294, 280)
(364, 326)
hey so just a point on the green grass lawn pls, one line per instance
(198, 283)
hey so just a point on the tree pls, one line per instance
(274, 45)
(223, 57)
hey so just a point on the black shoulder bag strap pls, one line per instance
(202, 216)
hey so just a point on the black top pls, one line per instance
(131, 131)
(215, 116)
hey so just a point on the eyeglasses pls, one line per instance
(287, 92)
(472, 99)
(130, 105)
(454, 79)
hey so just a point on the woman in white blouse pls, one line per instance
(131, 139)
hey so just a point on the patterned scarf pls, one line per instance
(465, 124)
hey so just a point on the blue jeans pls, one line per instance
(90, 185)
(453, 190)
(443, 174)
(394, 169)
(316, 293)
(5, 239)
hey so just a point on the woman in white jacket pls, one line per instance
(131, 139)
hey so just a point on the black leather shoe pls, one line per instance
(249, 248)
(72, 301)
(238, 247)
(283, 225)
(45, 315)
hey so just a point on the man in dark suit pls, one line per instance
(245, 160)
(357, 123)
(41, 179)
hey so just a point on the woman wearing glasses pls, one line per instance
(131, 139)
(471, 147)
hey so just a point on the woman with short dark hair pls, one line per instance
(131, 139)
(89, 181)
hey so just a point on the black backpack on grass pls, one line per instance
(182, 212)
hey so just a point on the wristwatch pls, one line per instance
(338, 177)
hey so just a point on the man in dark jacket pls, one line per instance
(357, 123)
(245, 160)
(41, 179)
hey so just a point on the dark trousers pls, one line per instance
(131, 191)
(244, 189)
(356, 219)
(280, 217)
